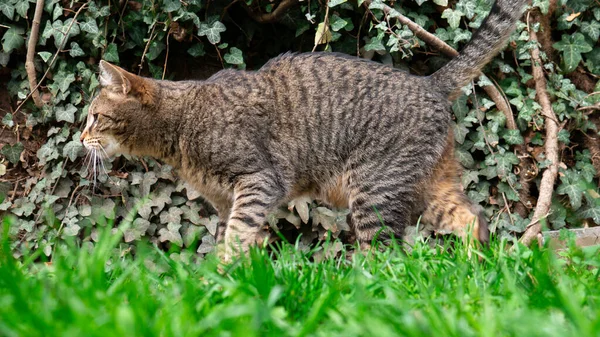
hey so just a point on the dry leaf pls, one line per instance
(573, 16)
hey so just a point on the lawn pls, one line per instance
(441, 291)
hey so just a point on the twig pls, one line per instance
(166, 57)
(64, 42)
(146, 48)
(325, 27)
(275, 15)
(440, 45)
(550, 146)
(29, 65)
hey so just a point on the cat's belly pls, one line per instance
(335, 192)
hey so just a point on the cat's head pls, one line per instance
(117, 112)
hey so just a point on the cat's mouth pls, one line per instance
(99, 149)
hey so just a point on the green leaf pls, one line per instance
(73, 149)
(375, 44)
(89, 26)
(155, 49)
(63, 80)
(468, 177)
(22, 7)
(460, 132)
(66, 113)
(60, 29)
(590, 212)
(513, 137)
(570, 185)
(337, 23)
(13, 152)
(111, 54)
(57, 12)
(443, 3)
(171, 5)
(572, 47)
(12, 39)
(505, 162)
(592, 29)
(465, 158)
(197, 50)
(45, 55)
(333, 3)
(7, 9)
(212, 31)
(76, 50)
(234, 56)
(453, 17)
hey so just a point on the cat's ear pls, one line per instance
(111, 75)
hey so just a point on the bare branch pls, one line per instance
(275, 15)
(550, 146)
(29, 65)
(64, 41)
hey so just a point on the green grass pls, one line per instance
(425, 292)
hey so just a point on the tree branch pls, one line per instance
(64, 41)
(275, 15)
(550, 146)
(29, 65)
(440, 45)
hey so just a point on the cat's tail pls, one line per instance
(487, 41)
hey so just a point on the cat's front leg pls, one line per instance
(255, 196)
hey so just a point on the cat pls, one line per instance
(348, 131)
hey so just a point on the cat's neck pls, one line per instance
(159, 134)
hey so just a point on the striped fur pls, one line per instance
(348, 131)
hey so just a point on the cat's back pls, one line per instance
(341, 79)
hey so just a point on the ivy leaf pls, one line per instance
(60, 29)
(89, 26)
(465, 158)
(460, 132)
(111, 54)
(197, 50)
(572, 188)
(505, 162)
(234, 56)
(137, 230)
(66, 113)
(337, 23)
(443, 3)
(453, 17)
(302, 207)
(13, 152)
(375, 44)
(72, 149)
(76, 50)
(171, 5)
(12, 39)
(572, 47)
(45, 55)
(171, 234)
(7, 9)
(22, 7)
(333, 3)
(63, 80)
(468, 177)
(592, 29)
(592, 212)
(212, 31)
(513, 137)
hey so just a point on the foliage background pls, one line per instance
(47, 187)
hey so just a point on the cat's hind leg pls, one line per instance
(255, 195)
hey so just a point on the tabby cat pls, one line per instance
(348, 131)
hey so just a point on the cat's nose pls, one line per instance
(83, 135)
